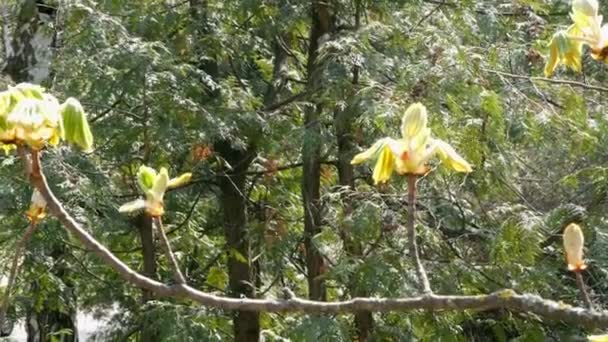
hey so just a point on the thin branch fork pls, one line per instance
(505, 299)
(581, 286)
(166, 246)
(19, 251)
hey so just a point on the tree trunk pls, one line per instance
(28, 58)
(27, 48)
(311, 154)
(146, 234)
(48, 319)
(343, 125)
(242, 275)
(343, 120)
(234, 208)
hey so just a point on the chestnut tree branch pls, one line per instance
(505, 299)
(164, 243)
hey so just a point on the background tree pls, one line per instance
(51, 309)
(266, 102)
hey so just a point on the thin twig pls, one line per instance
(164, 243)
(548, 80)
(19, 250)
(428, 15)
(423, 280)
(583, 288)
(505, 299)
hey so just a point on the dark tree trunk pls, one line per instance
(28, 58)
(311, 153)
(27, 51)
(346, 149)
(280, 70)
(234, 208)
(146, 234)
(48, 319)
(343, 121)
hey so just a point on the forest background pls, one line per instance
(266, 102)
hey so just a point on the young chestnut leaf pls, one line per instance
(75, 125)
(154, 185)
(410, 153)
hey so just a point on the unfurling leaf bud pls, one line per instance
(181, 180)
(136, 205)
(146, 177)
(31, 91)
(36, 212)
(75, 125)
(161, 183)
(585, 7)
(574, 242)
(597, 338)
(414, 120)
(154, 184)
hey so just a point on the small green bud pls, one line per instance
(154, 184)
(75, 125)
(146, 177)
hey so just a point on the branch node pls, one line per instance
(288, 294)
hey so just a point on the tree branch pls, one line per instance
(548, 80)
(581, 286)
(506, 299)
(164, 243)
(423, 280)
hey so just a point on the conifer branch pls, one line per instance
(548, 80)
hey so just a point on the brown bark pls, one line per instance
(234, 209)
(242, 275)
(311, 153)
(146, 235)
(343, 121)
(280, 70)
(28, 56)
(583, 289)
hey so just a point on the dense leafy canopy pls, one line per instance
(224, 90)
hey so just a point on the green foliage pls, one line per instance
(162, 82)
